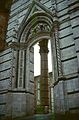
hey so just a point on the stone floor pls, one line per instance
(37, 117)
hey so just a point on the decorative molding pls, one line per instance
(20, 91)
(62, 78)
(56, 35)
(73, 92)
(18, 46)
(66, 78)
(27, 19)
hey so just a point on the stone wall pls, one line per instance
(66, 91)
(12, 101)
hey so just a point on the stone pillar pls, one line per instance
(44, 94)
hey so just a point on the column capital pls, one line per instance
(18, 46)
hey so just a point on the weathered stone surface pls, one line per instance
(29, 104)
(63, 4)
(2, 110)
(65, 32)
(3, 98)
(31, 76)
(76, 32)
(5, 74)
(5, 65)
(72, 85)
(59, 97)
(4, 85)
(77, 44)
(31, 87)
(73, 98)
(70, 66)
(68, 53)
(66, 41)
(18, 104)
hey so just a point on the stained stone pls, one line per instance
(18, 100)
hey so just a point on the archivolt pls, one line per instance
(36, 18)
(38, 37)
(32, 24)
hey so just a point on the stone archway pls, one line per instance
(29, 33)
(33, 38)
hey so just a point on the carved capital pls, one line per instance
(18, 46)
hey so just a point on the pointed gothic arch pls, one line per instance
(29, 33)
(40, 16)
(29, 37)
(36, 26)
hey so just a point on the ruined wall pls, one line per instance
(66, 91)
(13, 101)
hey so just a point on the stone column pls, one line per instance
(44, 93)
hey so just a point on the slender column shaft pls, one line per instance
(44, 75)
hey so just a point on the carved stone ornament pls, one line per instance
(41, 27)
